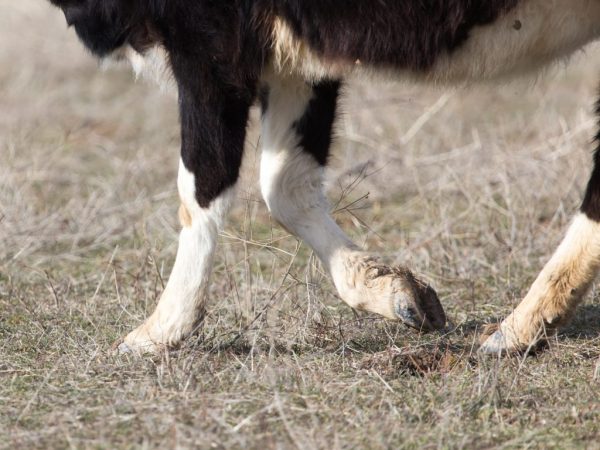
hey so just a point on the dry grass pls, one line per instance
(473, 191)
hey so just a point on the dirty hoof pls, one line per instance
(416, 304)
(499, 339)
(123, 348)
(138, 343)
(494, 342)
(393, 292)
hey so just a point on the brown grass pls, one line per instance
(473, 190)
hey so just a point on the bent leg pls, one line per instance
(297, 125)
(562, 284)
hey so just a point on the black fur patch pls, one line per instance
(401, 34)
(217, 63)
(406, 34)
(591, 201)
(102, 25)
(219, 49)
(315, 126)
(263, 98)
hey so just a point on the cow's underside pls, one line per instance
(455, 43)
(293, 56)
(460, 42)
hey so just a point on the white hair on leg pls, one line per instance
(291, 179)
(182, 302)
(555, 293)
(291, 183)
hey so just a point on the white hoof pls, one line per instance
(139, 342)
(123, 349)
(503, 341)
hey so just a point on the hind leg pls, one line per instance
(555, 294)
(560, 287)
(296, 132)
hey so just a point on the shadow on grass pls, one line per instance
(585, 324)
(409, 355)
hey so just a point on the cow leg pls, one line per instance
(213, 123)
(296, 133)
(563, 282)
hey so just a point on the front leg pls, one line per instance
(296, 133)
(213, 123)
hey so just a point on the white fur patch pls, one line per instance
(153, 65)
(182, 301)
(291, 179)
(292, 185)
(293, 57)
(559, 287)
(530, 36)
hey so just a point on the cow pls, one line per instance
(292, 57)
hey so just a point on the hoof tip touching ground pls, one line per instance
(123, 349)
(129, 346)
(143, 350)
(420, 307)
(501, 340)
(496, 344)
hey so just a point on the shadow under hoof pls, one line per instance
(585, 323)
(421, 361)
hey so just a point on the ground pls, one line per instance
(472, 189)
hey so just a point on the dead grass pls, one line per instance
(472, 190)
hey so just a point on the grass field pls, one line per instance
(472, 189)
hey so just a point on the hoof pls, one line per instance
(501, 340)
(122, 348)
(138, 343)
(417, 305)
(395, 293)
(365, 283)
(497, 344)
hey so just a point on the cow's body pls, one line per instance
(292, 55)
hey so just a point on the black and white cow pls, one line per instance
(292, 55)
